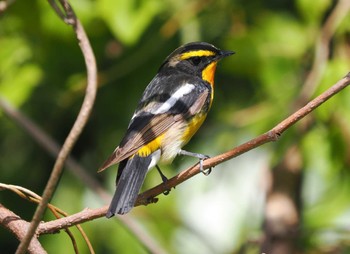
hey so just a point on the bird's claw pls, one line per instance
(201, 169)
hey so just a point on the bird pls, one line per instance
(172, 108)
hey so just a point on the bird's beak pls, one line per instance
(225, 53)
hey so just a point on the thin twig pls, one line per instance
(149, 195)
(269, 136)
(18, 227)
(292, 191)
(75, 131)
(52, 147)
(77, 218)
(35, 198)
(78, 171)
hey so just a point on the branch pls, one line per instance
(282, 228)
(17, 226)
(66, 222)
(57, 212)
(269, 136)
(52, 147)
(77, 127)
(149, 195)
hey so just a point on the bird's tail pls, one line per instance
(129, 184)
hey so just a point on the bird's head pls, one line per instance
(195, 58)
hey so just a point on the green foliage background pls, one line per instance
(42, 73)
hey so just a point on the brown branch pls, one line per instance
(58, 213)
(149, 195)
(269, 136)
(281, 228)
(52, 147)
(78, 171)
(76, 129)
(66, 222)
(17, 226)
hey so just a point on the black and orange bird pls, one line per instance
(172, 108)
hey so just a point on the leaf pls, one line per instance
(18, 76)
(313, 11)
(128, 20)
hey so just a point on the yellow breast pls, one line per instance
(173, 139)
(151, 146)
(193, 126)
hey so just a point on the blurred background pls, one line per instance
(290, 196)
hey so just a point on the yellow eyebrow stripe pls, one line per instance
(198, 53)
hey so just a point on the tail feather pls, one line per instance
(129, 184)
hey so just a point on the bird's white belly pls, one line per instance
(173, 142)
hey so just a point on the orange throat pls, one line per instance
(208, 75)
(209, 72)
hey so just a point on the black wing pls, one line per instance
(149, 121)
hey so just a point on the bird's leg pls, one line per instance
(201, 158)
(164, 179)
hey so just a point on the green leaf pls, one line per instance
(128, 20)
(313, 11)
(18, 76)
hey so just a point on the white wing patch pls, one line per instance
(183, 90)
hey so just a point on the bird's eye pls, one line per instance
(195, 60)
